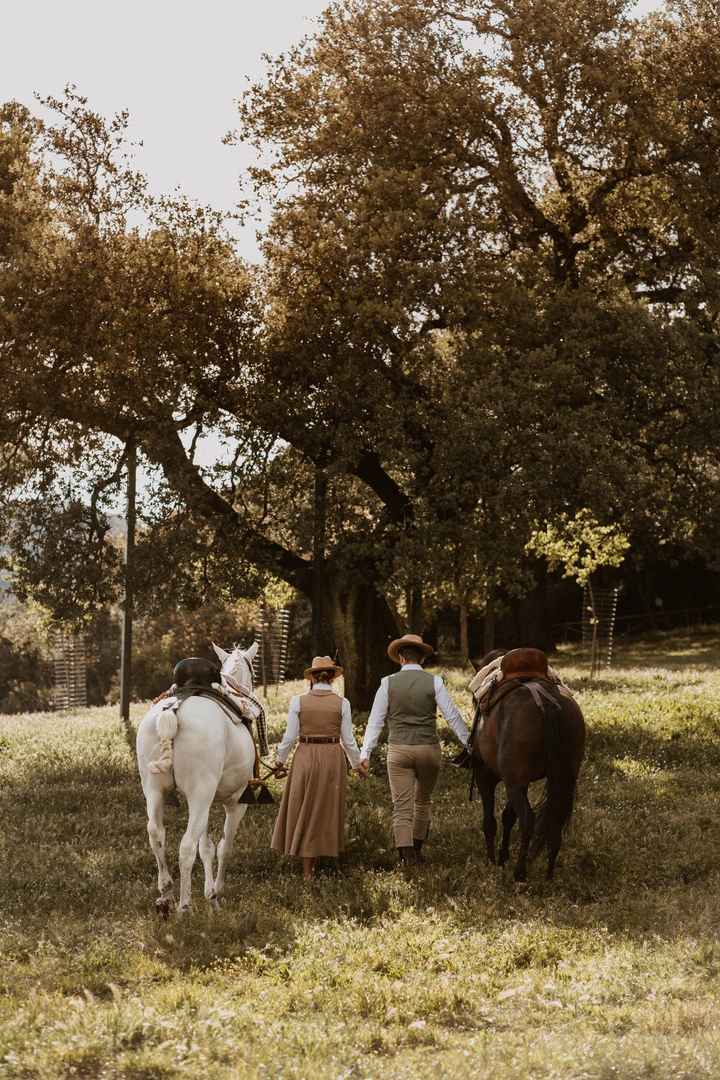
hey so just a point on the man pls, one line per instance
(409, 701)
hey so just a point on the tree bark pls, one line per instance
(415, 610)
(321, 642)
(464, 633)
(489, 622)
(364, 626)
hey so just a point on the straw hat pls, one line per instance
(395, 647)
(323, 663)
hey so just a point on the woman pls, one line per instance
(311, 820)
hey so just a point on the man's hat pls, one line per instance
(323, 663)
(395, 647)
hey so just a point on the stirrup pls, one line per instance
(247, 797)
(265, 796)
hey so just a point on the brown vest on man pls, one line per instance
(412, 709)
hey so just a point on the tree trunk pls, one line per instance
(489, 622)
(415, 610)
(464, 632)
(364, 626)
(321, 634)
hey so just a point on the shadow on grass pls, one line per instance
(645, 823)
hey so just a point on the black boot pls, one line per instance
(417, 844)
(406, 854)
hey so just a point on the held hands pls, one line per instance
(362, 768)
(280, 770)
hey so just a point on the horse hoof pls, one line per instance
(163, 905)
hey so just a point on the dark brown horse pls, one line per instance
(530, 731)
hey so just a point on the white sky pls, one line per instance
(176, 65)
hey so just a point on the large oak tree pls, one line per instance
(489, 296)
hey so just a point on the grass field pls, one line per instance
(612, 971)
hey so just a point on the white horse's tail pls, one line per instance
(167, 726)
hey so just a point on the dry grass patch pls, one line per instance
(455, 971)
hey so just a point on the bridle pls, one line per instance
(242, 691)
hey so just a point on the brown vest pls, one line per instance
(320, 713)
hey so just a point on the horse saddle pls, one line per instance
(192, 689)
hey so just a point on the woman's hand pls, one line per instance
(362, 769)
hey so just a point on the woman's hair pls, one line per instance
(412, 654)
(322, 676)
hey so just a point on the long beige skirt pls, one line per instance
(311, 819)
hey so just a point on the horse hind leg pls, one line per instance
(207, 855)
(234, 813)
(156, 836)
(517, 796)
(487, 784)
(196, 828)
(509, 817)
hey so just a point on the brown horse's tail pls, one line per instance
(556, 806)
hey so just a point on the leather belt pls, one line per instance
(320, 738)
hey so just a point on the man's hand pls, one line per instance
(280, 770)
(363, 768)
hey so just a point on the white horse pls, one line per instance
(198, 749)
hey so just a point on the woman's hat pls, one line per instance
(395, 647)
(323, 663)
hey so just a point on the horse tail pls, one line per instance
(558, 801)
(167, 725)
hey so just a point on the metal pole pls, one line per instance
(128, 601)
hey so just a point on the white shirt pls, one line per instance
(292, 731)
(379, 711)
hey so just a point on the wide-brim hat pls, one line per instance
(395, 647)
(323, 663)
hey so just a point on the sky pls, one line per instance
(176, 65)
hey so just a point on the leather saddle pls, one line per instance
(196, 677)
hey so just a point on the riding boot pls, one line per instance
(417, 844)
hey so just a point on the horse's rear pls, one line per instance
(209, 758)
(528, 736)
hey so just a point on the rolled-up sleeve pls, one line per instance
(376, 720)
(450, 711)
(347, 735)
(292, 730)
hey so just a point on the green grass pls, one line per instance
(612, 971)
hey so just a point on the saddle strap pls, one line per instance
(538, 692)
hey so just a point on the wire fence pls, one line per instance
(645, 622)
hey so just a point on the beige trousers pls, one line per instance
(412, 772)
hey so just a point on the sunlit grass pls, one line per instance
(455, 971)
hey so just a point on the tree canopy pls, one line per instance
(488, 298)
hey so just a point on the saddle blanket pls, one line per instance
(487, 678)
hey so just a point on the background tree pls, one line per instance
(533, 181)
